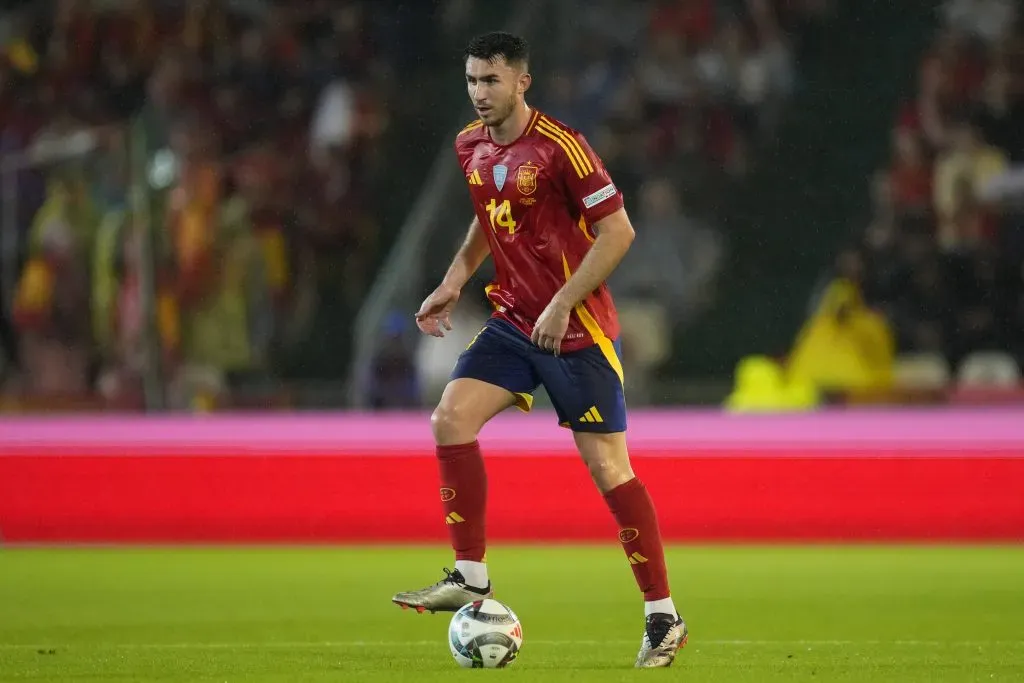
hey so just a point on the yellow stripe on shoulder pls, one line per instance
(571, 141)
(565, 148)
(471, 126)
(533, 121)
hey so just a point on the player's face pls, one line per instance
(494, 88)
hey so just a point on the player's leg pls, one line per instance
(492, 374)
(465, 407)
(586, 390)
(629, 502)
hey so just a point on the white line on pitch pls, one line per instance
(428, 643)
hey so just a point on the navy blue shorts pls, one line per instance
(585, 386)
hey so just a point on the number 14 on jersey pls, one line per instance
(501, 215)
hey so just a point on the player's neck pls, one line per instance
(512, 127)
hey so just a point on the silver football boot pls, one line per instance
(447, 595)
(664, 636)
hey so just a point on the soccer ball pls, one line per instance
(485, 635)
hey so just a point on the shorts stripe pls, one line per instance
(600, 338)
(524, 401)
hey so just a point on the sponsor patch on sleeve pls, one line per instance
(596, 198)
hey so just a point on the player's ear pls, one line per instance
(525, 80)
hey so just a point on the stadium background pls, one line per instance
(216, 220)
(232, 209)
(215, 205)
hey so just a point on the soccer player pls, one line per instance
(553, 221)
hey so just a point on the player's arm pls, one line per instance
(614, 236)
(599, 202)
(434, 315)
(468, 258)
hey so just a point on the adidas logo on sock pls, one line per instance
(454, 518)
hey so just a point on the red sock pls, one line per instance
(633, 509)
(464, 495)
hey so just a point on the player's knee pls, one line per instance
(608, 473)
(451, 426)
(606, 458)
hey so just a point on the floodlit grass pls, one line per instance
(765, 613)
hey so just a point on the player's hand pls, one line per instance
(551, 327)
(434, 316)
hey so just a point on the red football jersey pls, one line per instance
(537, 198)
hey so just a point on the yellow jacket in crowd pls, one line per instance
(844, 348)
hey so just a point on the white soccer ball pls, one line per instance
(485, 634)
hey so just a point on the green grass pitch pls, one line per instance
(756, 613)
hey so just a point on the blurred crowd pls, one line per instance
(678, 99)
(236, 145)
(934, 283)
(659, 83)
(247, 149)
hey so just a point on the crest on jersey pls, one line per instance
(526, 177)
(500, 172)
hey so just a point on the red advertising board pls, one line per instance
(373, 479)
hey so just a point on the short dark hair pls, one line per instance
(491, 46)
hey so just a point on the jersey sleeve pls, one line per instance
(589, 184)
(461, 143)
